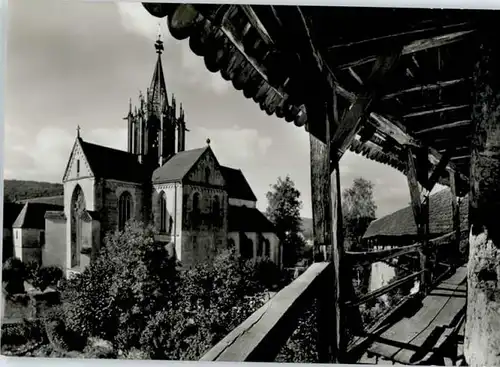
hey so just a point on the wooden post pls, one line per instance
(482, 328)
(417, 171)
(455, 207)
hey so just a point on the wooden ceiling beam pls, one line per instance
(435, 110)
(451, 125)
(425, 88)
(416, 46)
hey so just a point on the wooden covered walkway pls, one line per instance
(420, 92)
(429, 335)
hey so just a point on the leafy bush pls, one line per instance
(46, 276)
(133, 296)
(13, 275)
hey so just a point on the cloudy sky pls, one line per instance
(78, 63)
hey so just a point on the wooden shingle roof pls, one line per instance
(402, 222)
(10, 213)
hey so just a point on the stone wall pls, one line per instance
(204, 232)
(54, 250)
(27, 244)
(108, 205)
(173, 193)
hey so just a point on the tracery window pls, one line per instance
(163, 213)
(196, 202)
(124, 209)
(207, 175)
(77, 207)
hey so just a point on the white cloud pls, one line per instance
(137, 20)
(232, 146)
(45, 158)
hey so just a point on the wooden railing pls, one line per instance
(261, 336)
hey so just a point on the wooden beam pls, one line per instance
(380, 255)
(262, 335)
(435, 110)
(417, 172)
(416, 46)
(450, 125)
(424, 88)
(439, 169)
(350, 124)
(455, 209)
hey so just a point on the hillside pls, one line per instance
(15, 190)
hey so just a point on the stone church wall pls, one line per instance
(204, 232)
(109, 192)
(173, 194)
(27, 245)
(54, 251)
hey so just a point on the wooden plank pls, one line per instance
(380, 255)
(383, 290)
(416, 46)
(260, 337)
(431, 111)
(402, 340)
(448, 126)
(425, 87)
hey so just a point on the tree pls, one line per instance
(358, 208)
(13, 275)
(283, 210)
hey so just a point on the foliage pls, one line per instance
(42, 277)
(283, 210)
(134, 297)
(13, 275)
(16, 190)
(358, 208)
(115, 296)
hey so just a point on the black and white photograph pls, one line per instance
(251, 183)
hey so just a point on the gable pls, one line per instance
(206, 170)
(78, 164)
(178, 166)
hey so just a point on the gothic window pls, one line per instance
(77, 167)
(267, 248)
(124, 209)
(163, 213)
(77, 207)
(207, 175)
(216, 205)
(196, 203)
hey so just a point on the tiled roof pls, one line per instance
(33, 215)
(178, 166)
(55, 200)
(113, 163)
(10, 213)
(402, 222)
(245, 219)
(237, 185)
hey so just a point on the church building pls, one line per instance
(198, 206)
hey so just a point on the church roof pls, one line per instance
(178, 166)
(55, 215)
(237, 185)
(55, 200)
(112, 163)
(10, 213)
(245, 219)
(33, 215)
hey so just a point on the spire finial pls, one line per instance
(208, 141)
(159, 42)
(78, 131)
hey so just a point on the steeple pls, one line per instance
(157, 96)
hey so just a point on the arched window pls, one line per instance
(77, 207)
(163, 213)
(207, 174)
(215, 205)
(267, 248)
(124, 209)
(196, 202)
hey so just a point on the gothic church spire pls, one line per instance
(158, 98)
